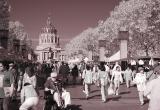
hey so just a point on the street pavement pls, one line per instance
(127, 100)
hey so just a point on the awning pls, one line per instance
(115, 57)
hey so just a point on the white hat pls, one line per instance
(54, 74)
(141, 62)
(133, 62)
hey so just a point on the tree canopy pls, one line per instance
(140, 17)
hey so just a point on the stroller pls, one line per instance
(50, 103)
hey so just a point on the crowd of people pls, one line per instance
(21, 81)
(23, 78)
(146, 78)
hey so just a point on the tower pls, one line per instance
(123, 37)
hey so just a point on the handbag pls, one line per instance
(110, 89)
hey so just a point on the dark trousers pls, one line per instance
(4, 103)
(74, 80)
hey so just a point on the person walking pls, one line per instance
(74, 73)
(13, 70)
(152, 90)
(104, 80)
(128, 76)
(140, 81)
(30, 77)
(96, 75)
(6, 87)
(64, 72)
(117, 75)
(29, 97)
(87, 78)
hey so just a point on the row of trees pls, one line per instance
(14, 40)
(18, 40)
(140, 17)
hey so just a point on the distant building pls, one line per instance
(4, 23)
(49, 44)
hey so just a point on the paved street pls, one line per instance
(127, 100)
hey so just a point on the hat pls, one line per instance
(157, 69)
(140, 68)
(54, 74)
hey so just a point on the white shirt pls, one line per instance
(87, 76)
(107, 68)
(117, 75)
(32, 80)
(140, 80)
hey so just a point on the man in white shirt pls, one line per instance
(152, 90)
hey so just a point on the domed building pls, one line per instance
(49, 44)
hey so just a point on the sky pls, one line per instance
(70, 17)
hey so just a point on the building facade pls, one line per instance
(4, 23)
(48, 48)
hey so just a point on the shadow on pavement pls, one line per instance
(80, 98)
(94, 91)
(74, 107)
(115, 98)
(95, 96)
(126, 92)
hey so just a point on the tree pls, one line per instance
(140, 17)
(17, 32)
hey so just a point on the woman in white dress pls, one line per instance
(117, 75)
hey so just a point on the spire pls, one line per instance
(49, 23)
(49, 27)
